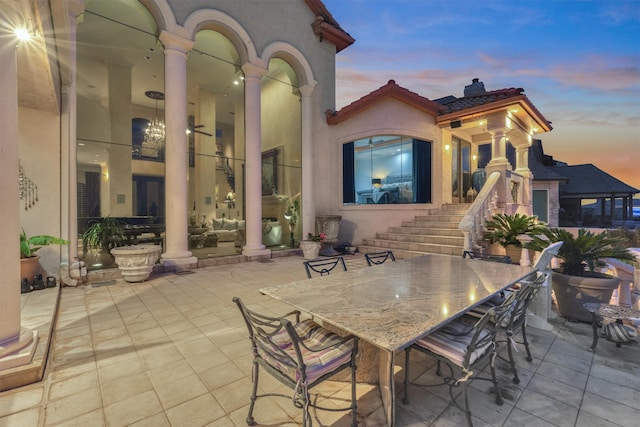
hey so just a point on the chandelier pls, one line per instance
(27, 188)
(154, 135)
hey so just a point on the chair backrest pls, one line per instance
(486, 329)
(487, 257)
(378, 258)
(522, 299)
(547, 255)
(324, 266)
(269, 337)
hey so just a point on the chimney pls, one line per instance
(475, 88)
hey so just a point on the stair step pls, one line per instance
(406, 253)
(457, 240)
(453, 225)
(411, 246)
(425, 231)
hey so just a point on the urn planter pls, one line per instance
(136, 262)
(310, 249)
(573, 291)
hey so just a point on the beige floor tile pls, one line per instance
(179, 391)
(29, 417)
(156, 420)
(14, 401)
(196, 412)
(547, 408)
(133, 409)
(73, 385)
(72, 406)
(221, 375)
(124, 387)
(232, 396)
(94, 419)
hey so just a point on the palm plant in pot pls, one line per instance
(576, 281)
(100, 237)
(28, 248)
(504, 229)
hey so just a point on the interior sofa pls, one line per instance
(233, 230)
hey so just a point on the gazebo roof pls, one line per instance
(587, 181)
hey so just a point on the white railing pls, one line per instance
(483, 208)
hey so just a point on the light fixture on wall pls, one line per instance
(27, 188)
(447, 147)
(154, 135)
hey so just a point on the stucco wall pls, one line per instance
(39, 134)
(389, 117)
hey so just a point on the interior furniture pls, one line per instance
(616, 313)
(300, 355)
(464, 347)
(323, 266)
(393, 189)
(377, 258)
(399, 303)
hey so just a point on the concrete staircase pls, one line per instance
(436, 232)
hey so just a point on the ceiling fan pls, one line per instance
(196, 129)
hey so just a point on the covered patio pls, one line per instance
(173, 351)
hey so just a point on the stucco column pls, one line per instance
(119, 178)
(253, 160)
(176, 150)
(15, 342)
(68, 135)
(308, 202)
(499, 163)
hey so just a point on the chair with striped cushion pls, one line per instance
(463, 346)
(324, 266)
(515, 323)
(300, 355)
(378, 258)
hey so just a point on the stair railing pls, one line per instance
(483, 208)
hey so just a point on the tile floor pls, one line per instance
(173, 351)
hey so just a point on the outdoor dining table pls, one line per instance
(394, 304)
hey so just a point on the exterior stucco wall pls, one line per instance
(389, 117)
(39, 135)
(554, 199)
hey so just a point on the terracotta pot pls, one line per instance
(573, 291)
(310, 249)
(28, 267)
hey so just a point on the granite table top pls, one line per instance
(394, 304)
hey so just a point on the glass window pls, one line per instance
(387, 169)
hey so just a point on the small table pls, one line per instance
(600, 311)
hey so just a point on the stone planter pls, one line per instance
(136, 262)
(330, 226)
(573, 291)
(310, 249)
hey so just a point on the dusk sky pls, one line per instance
(578, 62)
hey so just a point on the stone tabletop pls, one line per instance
(394, 304)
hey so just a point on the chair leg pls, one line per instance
(254, 393)
(405, 398)
(465, 397)
(354, 404)
(512, 361)
(494, 379)
(526, 342)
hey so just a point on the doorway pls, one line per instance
(460, 170)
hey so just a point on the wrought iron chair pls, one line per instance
(324, 266)
(516, 321)
(463, 347)
(300, 355)
(378, 258)
(487, 257)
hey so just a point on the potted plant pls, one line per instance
(101, 236)
(504, 230)
(311, 246)
(577, 281)
(28, 248)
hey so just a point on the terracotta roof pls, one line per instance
(457, 104)
(589, 181)
(390, 90)
(327, 27)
